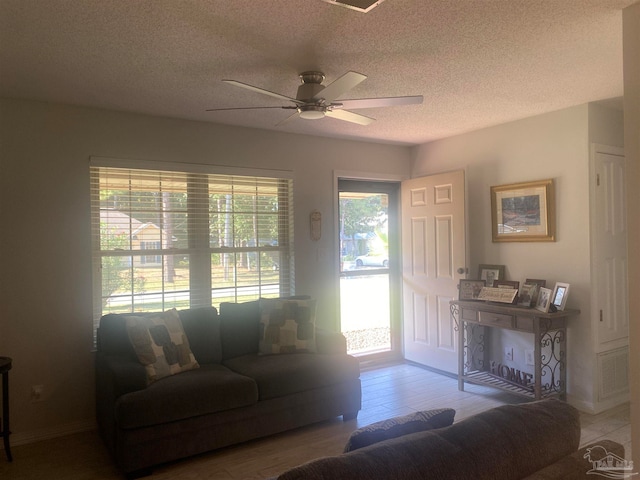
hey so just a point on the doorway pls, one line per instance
(369, 267)
(434, 261)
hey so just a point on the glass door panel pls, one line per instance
(366, 303)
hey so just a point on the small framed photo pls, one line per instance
(470, 289)
(544, 299)
(528, 294)
(490, 273)
(560, 294)
(540, 283)
(506, 284)
(523, 212)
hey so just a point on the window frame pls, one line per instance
(199, 250)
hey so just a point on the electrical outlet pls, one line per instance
(36, 393)
(508, 353)
(528, 357)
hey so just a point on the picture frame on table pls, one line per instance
(540, 283)
(470, 289)
(490, 273)
(544, 299)
(506, 284)
(528, 294)
(523, 212)
(560, 294)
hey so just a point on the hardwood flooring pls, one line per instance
(387, 391)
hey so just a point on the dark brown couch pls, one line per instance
(533, 441)
(235, 395)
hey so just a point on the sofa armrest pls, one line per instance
(330, 342)
(577, 465)
(119, 375)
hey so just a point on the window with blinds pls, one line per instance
(165, 239)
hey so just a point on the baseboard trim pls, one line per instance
(23, 438)
(595, 408)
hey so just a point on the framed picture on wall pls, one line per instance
(523, 212)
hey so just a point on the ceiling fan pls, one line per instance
(314, 100)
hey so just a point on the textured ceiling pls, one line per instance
(476, 62)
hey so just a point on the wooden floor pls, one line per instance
(387, 391)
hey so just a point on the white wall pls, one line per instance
(631, 42)
(554, 145)
(45, 309)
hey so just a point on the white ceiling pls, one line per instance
(476, 62)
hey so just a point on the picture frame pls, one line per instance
(540, 283)
(528, 294)
(506, 284)
(559, 295)
(499, 295)
(523, 212)
(509, 285)
(489, 273)
(470, 289)
(544, 299)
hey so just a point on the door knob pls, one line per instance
(462, 271)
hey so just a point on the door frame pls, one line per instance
(395, 268)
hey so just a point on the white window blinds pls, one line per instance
(164, 239)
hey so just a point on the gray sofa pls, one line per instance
(235, 395)
(532, 441)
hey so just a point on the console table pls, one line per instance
(549, 347)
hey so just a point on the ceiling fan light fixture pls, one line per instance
(362, 6)
(312, 112)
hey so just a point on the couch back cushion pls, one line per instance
(506, 443)
(239, 328)
(201, 325)
(399, 426)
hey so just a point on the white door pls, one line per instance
(433, 258)
(610, 259)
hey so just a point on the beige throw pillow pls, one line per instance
(161, 344)
(287, 326)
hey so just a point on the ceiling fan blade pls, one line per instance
(339, 86)
(290, 118)
(261, 90)
(379, 102)
(243, 108)
(348, 116)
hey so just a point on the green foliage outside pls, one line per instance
(234, 220)
(363, 216)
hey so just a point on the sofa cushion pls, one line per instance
(202, 326)
(209, 389)
(280, 375)
(399, 426)
(504, 443)
(161, 344)
(287, 326)
(239, 328)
